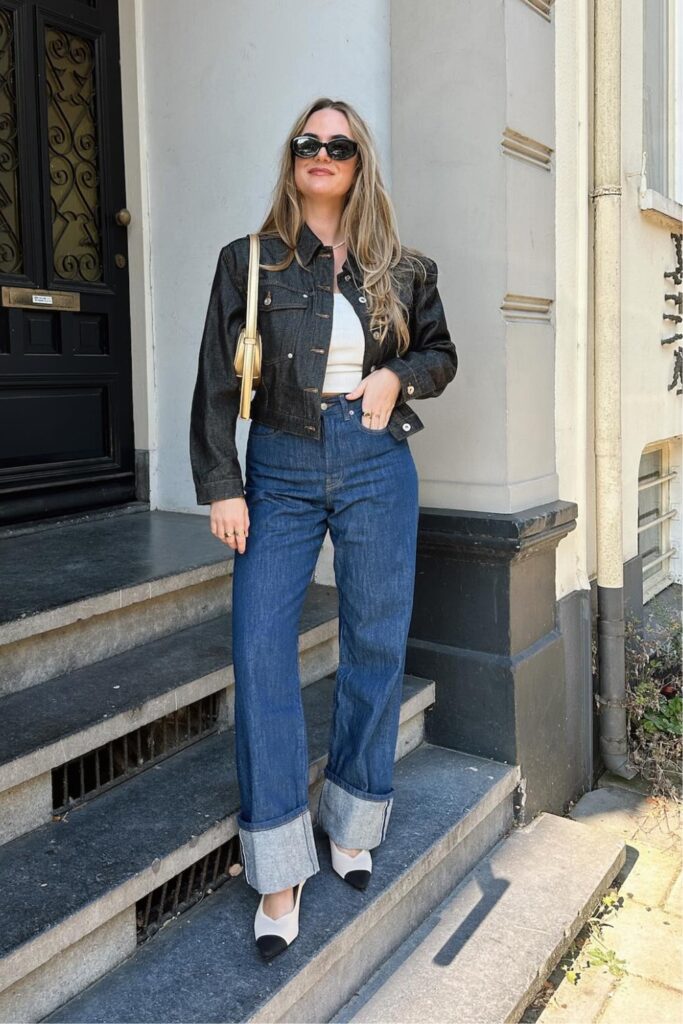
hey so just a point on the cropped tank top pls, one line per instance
(344, 370)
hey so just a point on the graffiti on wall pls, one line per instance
(676, 276)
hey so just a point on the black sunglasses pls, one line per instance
(337, 149)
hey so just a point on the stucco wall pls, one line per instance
(650, 413)
(217, 85)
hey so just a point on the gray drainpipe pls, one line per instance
(606, 197)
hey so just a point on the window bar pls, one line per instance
(645, 483)
(655, 522)
(661, 558)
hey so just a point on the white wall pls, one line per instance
(466, 77)
(649, 412)
(221, 82)
(218, 84)
(574, 381)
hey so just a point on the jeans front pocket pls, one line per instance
(358, 416)
(373, 430)
(262, 429)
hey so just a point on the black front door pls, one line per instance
(66, 424)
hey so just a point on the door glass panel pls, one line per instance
(11, 254)
(73, 156)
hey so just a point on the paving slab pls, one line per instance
(571, 1003)
(634, 1001)
(649, 941)
(674, 901)
(633, 816)
(648, 874)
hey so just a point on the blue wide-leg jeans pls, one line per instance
(362, 485)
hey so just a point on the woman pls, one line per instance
(352, 327)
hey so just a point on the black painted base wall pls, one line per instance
(512, 670)
(574, 621)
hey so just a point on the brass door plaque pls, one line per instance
(40, 298)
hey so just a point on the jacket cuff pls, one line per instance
(218, 490)
(413, 383)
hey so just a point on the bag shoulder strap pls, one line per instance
(252, 284)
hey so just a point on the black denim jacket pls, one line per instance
(295, 321)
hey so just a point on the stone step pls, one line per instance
(485, 952)
(82, 591)
(449, 809)
(50, 724)
(70, 888)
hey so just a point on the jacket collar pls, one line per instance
(308, 244)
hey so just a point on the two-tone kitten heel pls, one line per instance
(274, 934)
(354, 870)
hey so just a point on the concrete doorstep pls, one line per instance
(486, 950)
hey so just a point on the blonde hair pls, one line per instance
(368, 223)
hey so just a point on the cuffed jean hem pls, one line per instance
(354, 821)
(275, 858)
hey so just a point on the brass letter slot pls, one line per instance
(39, 298)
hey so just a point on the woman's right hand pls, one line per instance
(231, 515)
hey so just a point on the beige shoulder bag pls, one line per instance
(248, 351)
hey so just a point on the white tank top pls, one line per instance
(347, 347)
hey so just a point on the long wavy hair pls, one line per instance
(368, 223)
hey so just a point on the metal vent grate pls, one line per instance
(183, 891)
(91, 774)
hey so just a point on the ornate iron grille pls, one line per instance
(11, 254)
(91, 774)
(73, 155)
(186, 889)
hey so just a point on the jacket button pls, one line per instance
(305, 295)
(375, 334)
(290, 355)
(267, 300)
(410, 389)
(361, 298)
(406, 426)
(347, 277)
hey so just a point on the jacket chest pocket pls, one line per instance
(282, 310)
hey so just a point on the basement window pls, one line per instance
(656, 475)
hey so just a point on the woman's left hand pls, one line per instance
(379, 389)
